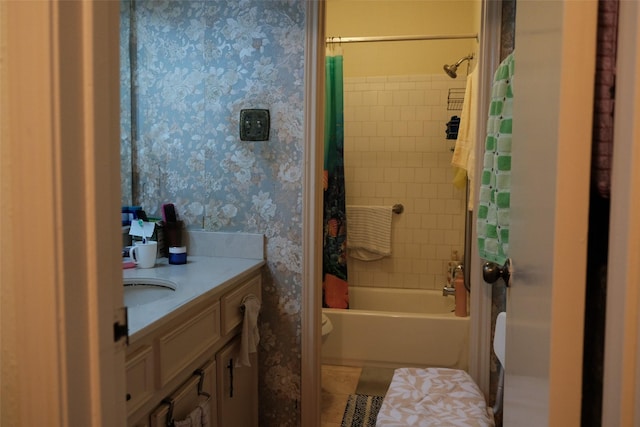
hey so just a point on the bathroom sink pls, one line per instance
(141, 291)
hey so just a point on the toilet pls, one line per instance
(327, 326)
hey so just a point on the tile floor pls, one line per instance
(338, 382)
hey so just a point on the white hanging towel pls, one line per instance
(199, 417)
(369, 232)
(464, 153)
(250, 334)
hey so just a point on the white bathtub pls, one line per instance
(397, 328)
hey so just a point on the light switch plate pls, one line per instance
(254, 125)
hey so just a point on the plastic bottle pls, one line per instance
(461, 294)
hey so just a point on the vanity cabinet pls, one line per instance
(188, 357)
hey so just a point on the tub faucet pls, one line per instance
(448, 290)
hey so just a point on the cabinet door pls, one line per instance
(139, 374)
(237, 388)
(143, 422)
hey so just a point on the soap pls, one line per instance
(128, 264)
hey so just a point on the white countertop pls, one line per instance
(198, 277)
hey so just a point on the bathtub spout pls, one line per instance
(448, 290)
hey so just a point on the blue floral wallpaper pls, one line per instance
(188, 68)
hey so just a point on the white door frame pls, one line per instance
(312, 215)
(480, 334)
(481, 292)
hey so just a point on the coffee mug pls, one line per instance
(144, 254)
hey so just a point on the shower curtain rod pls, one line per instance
(400, 38)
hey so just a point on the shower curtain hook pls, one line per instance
(330, 45)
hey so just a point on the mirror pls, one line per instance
(126, 129)
(188, 68)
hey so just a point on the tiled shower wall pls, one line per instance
(396, 151)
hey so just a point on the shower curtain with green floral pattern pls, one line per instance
(335, 292)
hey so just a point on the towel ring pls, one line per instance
(244, 300)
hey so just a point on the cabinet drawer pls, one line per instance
(184, 344)
(193, 392)
(139, 376)
(231, 311)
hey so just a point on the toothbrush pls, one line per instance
(144, 238)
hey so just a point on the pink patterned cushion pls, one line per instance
(433, 397)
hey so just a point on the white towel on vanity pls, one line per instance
(369, 232)
(250, 334)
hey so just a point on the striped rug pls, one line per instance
(361, 410)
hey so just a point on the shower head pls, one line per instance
(451, 70)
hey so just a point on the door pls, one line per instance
(61, 276)
(621, 388)
(553, 98)
(237, 387)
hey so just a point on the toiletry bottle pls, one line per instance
(461, 293)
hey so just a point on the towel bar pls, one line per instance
(398, 208)
(170, 422)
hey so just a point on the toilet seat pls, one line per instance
(327, 326)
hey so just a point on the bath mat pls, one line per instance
(374, 381)
(361, 410)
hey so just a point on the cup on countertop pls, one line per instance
(144, 254)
